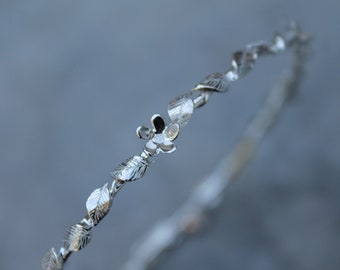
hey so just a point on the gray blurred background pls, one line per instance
(78, 77)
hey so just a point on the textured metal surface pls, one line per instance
(98, 204)
(180, 110)
(76, 238)
(131, 169)
(214, 82)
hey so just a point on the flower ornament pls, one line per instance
(160, 138)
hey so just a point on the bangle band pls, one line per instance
(160, 138)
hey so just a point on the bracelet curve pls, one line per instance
(160, 139)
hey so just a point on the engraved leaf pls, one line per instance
(98, 204)
(180, 110)
(76, 238)
(167, 147)
(214, 82)
(51, 261)
(131, 169)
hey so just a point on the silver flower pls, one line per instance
(161, 137)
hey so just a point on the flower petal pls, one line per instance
(167, 147)
(158, 123)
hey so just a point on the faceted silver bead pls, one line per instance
(76, 238)
(52, 261)
(131, 169)
(98, 204)
(180, 110)
(216, 82)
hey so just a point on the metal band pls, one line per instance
(160, 138)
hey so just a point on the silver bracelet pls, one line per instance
(160, 138)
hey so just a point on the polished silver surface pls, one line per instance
(98, 204)
(161, 136)
(76, 238)
(217, 82)
(131, 169)
(180, 110)
(160, 139)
